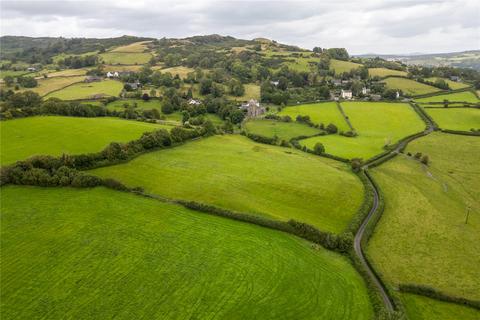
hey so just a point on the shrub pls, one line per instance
(318, 148)
(331, 128)
(418, 155)
(425, 160)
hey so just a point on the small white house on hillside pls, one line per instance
(346, 94)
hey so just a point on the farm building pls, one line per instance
(194, 102)
(346, 94)
(455, 78)
(253, 108)
(112, 74)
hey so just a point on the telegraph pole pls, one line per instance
(468, 213)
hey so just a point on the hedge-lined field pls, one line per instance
(133, 47)
(409, 86)
(454, 85)
(54, 135)
(98, 253)
(180, 70)
(340, 66)
(422, 237)
(84, 90)
(283, 130)
(377, 124)
(232, 172)
(67, 73)
(462, 119)
(384, 72)
(465, 96)
(423, 308)
(325, 112)
(48, 85)
(125, 58)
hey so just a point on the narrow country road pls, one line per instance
(359, 252)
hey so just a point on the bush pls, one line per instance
(318, 148)
(331, 128)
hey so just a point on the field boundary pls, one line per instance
(441, 93)
(345, 117)
(106, 96)
(433, 293)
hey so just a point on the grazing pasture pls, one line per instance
(408, 86)
(45, 86)
(423, 308)
(384, 72)
(340, 66)
(67, 73)
(252, 91)
(133, 47)
(422, 237)
(464, 96)
(54, 135)
(12, 73)
(377, 123)
(180, 70)
(462, 119)
(454, 85)
(283, 130)
(235, 173)
(120, 68)
(103, 254)
(324, 112)
(88, 90)
(125, 58)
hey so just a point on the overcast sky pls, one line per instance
(362, 26)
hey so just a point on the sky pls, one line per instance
(361, 26)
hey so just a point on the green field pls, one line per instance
(54, 135)
(408, 86)
(12, 73)
(384, 72)
(125, 58)
(422, 237)
(133, 47)
(283, 130)
(423, 308)
(180, 70)
(465, 96)
(325, 112)
(48, 85)
(377, 124)
(101, 254)
(67, 73)
(235, 173)
(302, 64)
(84, 90)
(462, 119)
(341, 66)
(454, 85)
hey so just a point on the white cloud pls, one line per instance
(388, 26)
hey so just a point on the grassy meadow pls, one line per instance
(283, 130)
(67, 73)
(133, 47)
(84, 90)
(454, 85)
(422, 237)
(340, 66)
(384, 72)
(423, 308)
(408, 86)
(325, 112)
(377, 124)
(462, 119)
(465, 96)
(129, 257)
(45, 86)
(54, 135)
(125, 58)
(180, 70)
(235, 173)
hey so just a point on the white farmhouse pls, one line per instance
(194, 102)
(346, 94)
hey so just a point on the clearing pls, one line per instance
(125, 58)
(408, 86)
(54, 135)
(384, 72)
(340, 66)
(88, 90)
(422, 237)
(133, 47)
(454, 85)
(236, 173)
(103, 254)
(324, 112)
(377, 124)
